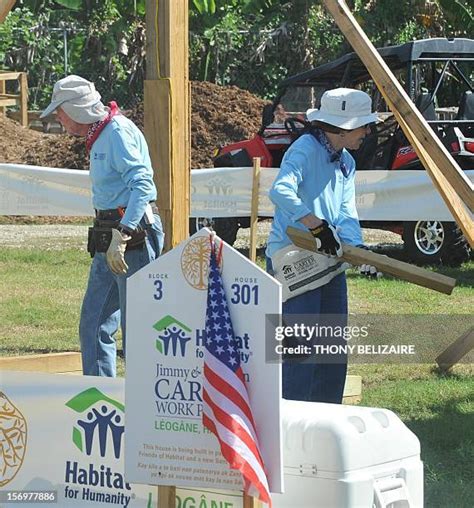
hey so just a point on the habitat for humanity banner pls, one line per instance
(61, 445)
(222, 192)
(166, 441)
(63, 436)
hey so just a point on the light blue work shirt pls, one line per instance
(121, 171)
(308, 182)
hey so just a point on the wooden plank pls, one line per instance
(9, 75)
(454, 352)
(353, 386)
(5, 7)
(398, 100)
(24, 99)
(356, 256)
(166, 496)
(53, 363)
(167, 63)
(254, 210)
(8, 102)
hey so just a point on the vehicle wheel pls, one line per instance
(435, 242)
(225, 228)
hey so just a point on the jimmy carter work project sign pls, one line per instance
(166, 443)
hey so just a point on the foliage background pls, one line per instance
(249, 43)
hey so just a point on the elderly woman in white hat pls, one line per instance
(127, 232)
(314, 191)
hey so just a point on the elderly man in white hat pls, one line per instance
(127, 232)
(315, 190)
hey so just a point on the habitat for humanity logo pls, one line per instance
(99, 429)
(173, 337)
(101, 421)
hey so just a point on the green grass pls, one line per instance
(39, 310)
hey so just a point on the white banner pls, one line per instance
(222, 192)
(166, 442)
(61, 440)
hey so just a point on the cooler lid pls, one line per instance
(340, 438)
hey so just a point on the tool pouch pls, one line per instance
(100, 236)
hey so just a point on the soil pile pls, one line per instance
(220, 115)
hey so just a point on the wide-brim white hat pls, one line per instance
(78, 98)
(345, 108)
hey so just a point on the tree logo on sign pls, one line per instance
(13, 434)
(195, 262)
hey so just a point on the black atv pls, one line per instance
(438, 76)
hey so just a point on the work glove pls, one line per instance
(327, 240)
(115, 254)
(369, 271)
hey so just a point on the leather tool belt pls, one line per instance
(100, 234)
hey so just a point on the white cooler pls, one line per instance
(339, 456)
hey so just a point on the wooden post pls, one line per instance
(251, 502)
(254, 209)
(24, 99)
(454, 352)
(166, 112)
(3, 109)
(167, 127)
(5, 8)
(402, 106)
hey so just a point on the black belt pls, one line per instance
(117, 213)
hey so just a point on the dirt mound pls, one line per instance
(220, 115)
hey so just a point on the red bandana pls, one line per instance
(96, 128)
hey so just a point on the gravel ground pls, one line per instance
(61, 236)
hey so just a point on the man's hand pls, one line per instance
(116, 252)
(327, 240)
(369, 270)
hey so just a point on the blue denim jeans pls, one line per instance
(309, 379)
(103, 307)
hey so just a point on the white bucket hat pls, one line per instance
(78, 98)
(345, 108)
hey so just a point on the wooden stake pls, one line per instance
(356, 256)
(3, 109)
(24, 99)
(166, 112)
(166, 496)
(399, 102)
(252, 502)
(254, 209)
(5, 8)
(459, 348)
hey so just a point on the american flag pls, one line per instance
(226, 406)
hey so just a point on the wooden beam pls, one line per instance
(254, 210)
(356, 256)
(166, 496)
(5, 8)
(459, 348)
(52, 363)
(398, 100)
(166, 112)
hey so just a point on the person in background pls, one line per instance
(315, 191)
(127, 232)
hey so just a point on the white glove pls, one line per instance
(116, 252)
(370, 271)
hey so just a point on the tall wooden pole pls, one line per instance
(166, 112)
